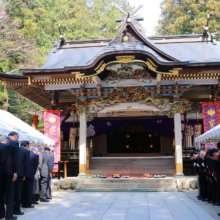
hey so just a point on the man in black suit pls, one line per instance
(214, 154)
(9, 176)
(24, 161)
(28, 184)
(203, 176)
(45, 174)
(3, 154)
(212, 179)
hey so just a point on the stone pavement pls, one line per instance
(114, 205)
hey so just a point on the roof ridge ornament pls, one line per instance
(128, 14)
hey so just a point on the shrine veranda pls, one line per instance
(129, 97)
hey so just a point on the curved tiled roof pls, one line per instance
(197, 52)
(79, 57)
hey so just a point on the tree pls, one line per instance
(16, 51)
(79, 19)
(20, 106)
(188, 16)
(27, 28)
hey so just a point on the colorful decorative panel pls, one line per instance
(211, 115)
(52, 130)
(127, 71)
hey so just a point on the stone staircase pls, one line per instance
(129, 185)
(133, 166)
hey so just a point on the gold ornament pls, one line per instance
(52, 120)
(211, 112)
(125, 38)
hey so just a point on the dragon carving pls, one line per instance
(180, 107)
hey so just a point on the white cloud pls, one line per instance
(150, 12)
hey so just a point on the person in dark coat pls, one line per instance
(28, 184)
(24, 161)
(9, 176)
(3, 154)
(195, 158)
(45, 174)
(212, 178)
(203, 176)
(49, 184)
(214, 154)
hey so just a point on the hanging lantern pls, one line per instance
(35, 121)
(72, 138)
(188, 135)
(197, 130)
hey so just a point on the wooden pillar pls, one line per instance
(82, 146)
(178, 145)
(35, 121)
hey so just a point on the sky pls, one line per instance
(150, 12)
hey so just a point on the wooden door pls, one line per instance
(166, 145)
(99, 145)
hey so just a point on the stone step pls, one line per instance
(132, 172)
(132, 162)
(128, 190)
(128, 185)
(133, 180)
(132, 166)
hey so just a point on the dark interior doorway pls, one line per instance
(133, 138)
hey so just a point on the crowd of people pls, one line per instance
(25, 176)
(207, 167)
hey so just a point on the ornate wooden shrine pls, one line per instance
(129, 76)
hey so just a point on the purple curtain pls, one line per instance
(164, 126)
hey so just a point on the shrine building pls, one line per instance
(135, 101)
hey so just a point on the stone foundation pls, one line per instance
(139, 184)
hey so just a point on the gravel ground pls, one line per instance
(209, 208)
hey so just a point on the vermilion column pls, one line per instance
(35, 121)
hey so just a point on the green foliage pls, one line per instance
(38, 21)
(188, 16)
(20, 106)
(29, 26)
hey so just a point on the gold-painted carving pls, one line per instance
(124, 59)
(4, 83)
(29, 81)
(99, 65)
(175, 71)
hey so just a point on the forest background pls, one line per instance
(28, 27)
